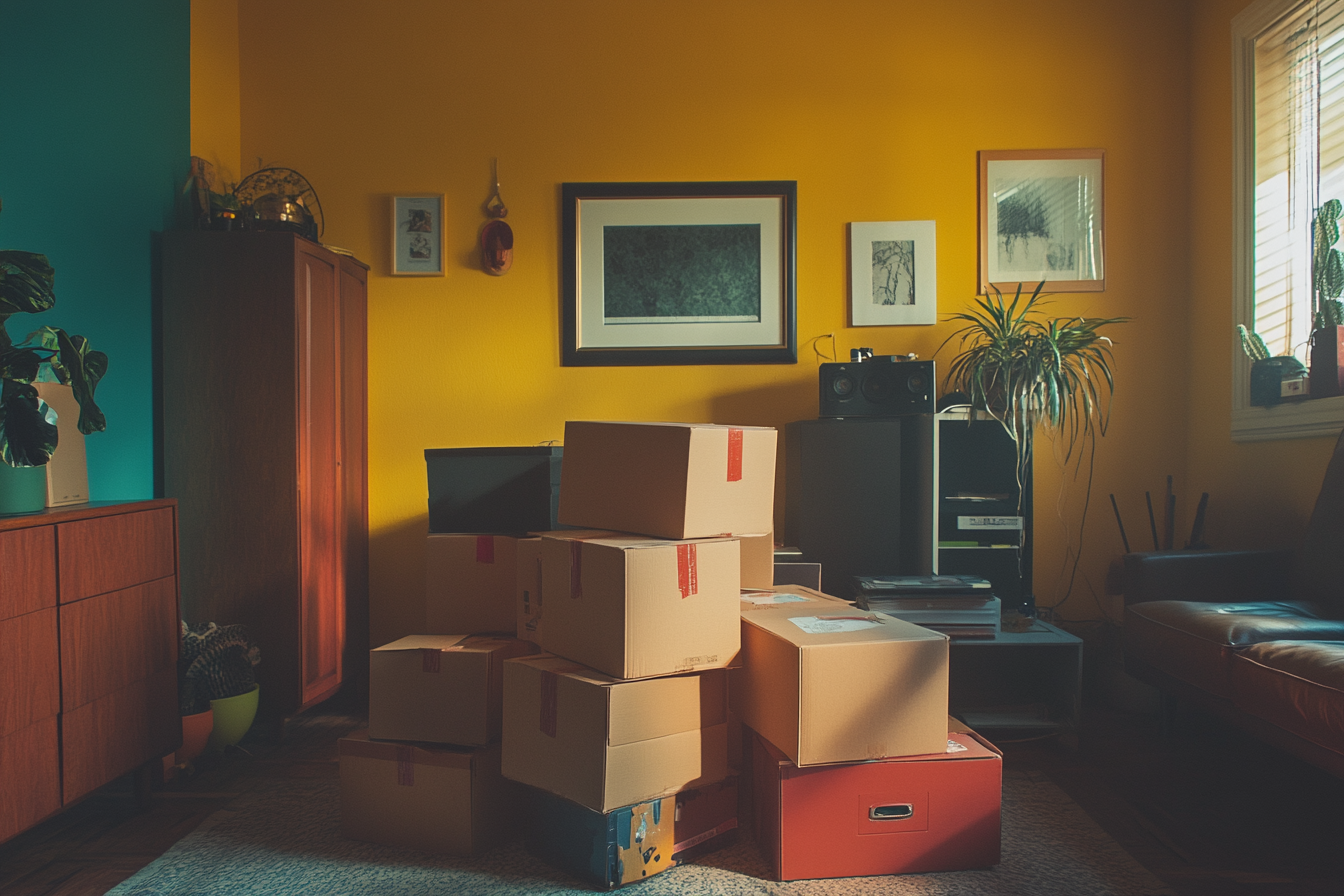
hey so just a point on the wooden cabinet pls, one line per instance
(88, 651)
(264, 447)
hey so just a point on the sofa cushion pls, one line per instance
(1296, 685)
(1195, 642)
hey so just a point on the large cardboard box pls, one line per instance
(527, 590)
(605, 743)
(792, 597)
(936, 812)
(841, 685)
(611, 849)
(443, 689)
(635, 607)
(470, 583)
(671, 480)
(439, 799)
(758, 559)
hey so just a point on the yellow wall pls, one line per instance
(875, 108)
(215, 115)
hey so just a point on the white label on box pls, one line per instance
(825, 625)
(954, 747)
(770, 597)
(989, 522)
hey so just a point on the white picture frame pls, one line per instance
(893, 273)
(417, 235)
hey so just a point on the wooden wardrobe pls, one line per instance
(264, 446)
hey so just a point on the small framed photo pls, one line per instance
(893, 275)
(1041, 218)
(417, 235)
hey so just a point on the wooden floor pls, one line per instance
(1206, 809)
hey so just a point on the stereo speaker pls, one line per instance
(884, 386)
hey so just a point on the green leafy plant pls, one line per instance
(1327, 267)
(1252, 344)
(215, 661)
(28, 436)
(1029, 371)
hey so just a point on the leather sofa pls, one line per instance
(1256, 637)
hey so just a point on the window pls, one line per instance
(1288, 61)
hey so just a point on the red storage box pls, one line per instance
(936, 812)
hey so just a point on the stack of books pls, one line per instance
(962, 606)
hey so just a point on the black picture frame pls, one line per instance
(718, 225)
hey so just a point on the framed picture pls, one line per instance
(417, 235)
(893, 277)
(1041, 218)
(678, 273)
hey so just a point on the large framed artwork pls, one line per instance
(893, 277)
(679, 273)
(1041, 218)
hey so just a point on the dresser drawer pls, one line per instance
(110, 553)
(112, 735)
(114, 639)
(30, 768)
(29, 670)
(27, 570)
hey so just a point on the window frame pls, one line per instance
(1288, 420)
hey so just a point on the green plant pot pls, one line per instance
(196, 730)
(233, 716)
(22, 489)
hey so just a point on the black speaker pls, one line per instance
(859, 496)
(884, 386)
(508, 491)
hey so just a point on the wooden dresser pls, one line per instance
(88, 651)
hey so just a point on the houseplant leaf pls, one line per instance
(27, 436)
(26, 283)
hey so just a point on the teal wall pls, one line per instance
(95, 136)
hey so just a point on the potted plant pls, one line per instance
(28, 435)
(1029, 371)
(216, 671)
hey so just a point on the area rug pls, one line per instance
(287, 840)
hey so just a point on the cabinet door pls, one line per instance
(321, 483)
(354, 463)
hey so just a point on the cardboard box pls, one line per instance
(671, 480)
(605, 743)
(758, 560)
(635, 607)
(470, 583)
(438, 799)
(528, 589)
(754, 600)
(842, 685)
(937, 812)
(608, 850)
(443, 689)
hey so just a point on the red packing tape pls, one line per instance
(687, 574)
(734, 455)
(485, 549)
(549, 683)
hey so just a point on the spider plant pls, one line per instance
(1029, 371)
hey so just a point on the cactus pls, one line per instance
(216, 661)
(1327, 267)
(1252, 344)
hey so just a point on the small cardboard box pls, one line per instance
(605, 743)
(670, 480)
(841, 685)
(635, 607)
(936, 812)
(758, 560)
(471, 582)
(443, 689)
(438, 799)
(609, 850)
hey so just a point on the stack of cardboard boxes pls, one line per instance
(602, 683)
